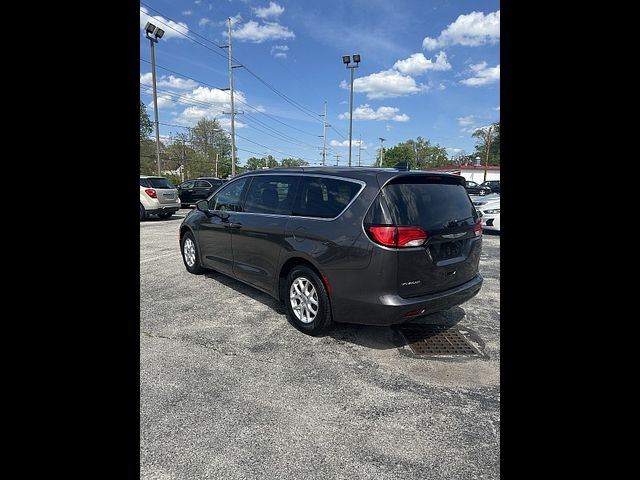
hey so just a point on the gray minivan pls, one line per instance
(357, 245)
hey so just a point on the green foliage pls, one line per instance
(482, 137)
(146, 127)
(207, 139)
(175, 179)
(258, 163)
(293, 162)
(418, 153)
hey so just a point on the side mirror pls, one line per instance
(203, 206)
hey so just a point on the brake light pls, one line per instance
(151, 192)
(398, 236)
(477, 228)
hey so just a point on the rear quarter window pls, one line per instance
(323, 197)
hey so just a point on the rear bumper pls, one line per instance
(392, 309)
(164, 208)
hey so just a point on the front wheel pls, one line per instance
(190, 254)
(143, 213)
(307, 302)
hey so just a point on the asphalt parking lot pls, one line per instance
(230, 390)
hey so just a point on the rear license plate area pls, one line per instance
(446, 250)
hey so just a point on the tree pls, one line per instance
(208, 139)
(293, 162)
(482, 137)
(418, 153)
(146, 127)
(255, 163)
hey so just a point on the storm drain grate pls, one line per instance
(436, 340)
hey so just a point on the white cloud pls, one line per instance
(187, 13)
(198, 2)
(417, 64)
(234, 20)
(345, 143)
(273, 10)
(388, 127)
(453, 150)
(482, 75)
(472, 30)
(385, 84)
(365, 112)
(278, 51)
(167, 25)
(252, 31)
(497, 109)
(203, 22)
(169, 82)
(466, 121)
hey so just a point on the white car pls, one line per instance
(489, 208)
(158, 196)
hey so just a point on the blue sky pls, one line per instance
(428, 68)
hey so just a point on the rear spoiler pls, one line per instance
(421, 177)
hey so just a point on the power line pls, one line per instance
(289, 100)
(238, 100)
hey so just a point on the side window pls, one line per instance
(144, 183)
(229, 198)
(323, 197)
(202, 184)
(271, 194)
(186, 185)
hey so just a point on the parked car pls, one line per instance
(158, 196)
(334, 245)
(474, 189)
(489, 209)
(494, 185)
(197, 189)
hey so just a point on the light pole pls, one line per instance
(151, 29)
(347, 61)
(381, 150)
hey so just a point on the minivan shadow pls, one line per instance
(386, 338)
(375, 337)
(246, 290)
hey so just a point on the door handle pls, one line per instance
(232, 225)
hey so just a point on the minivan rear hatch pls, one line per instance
(440, 208)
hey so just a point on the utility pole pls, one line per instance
(359, 150)
(216, 164)
(233, 111)
(337, 158)
(486, 162)
(381, 150)
(324, 134)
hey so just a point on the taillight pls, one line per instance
(398, 236)
(477, 228)
(151, 192)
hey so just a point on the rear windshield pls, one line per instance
(159, 183)
(432, 206)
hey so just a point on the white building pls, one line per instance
(472, 172)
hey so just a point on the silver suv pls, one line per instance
(158, 196)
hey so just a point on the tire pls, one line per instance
(190, 255)
(165, 215)
(143, 213)
(300, 278)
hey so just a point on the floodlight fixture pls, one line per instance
(149, 28)
(159, 33)
(346, 59)
(356, 58)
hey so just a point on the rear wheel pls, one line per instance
(190, 254)
(307, 302)
(143, 213)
